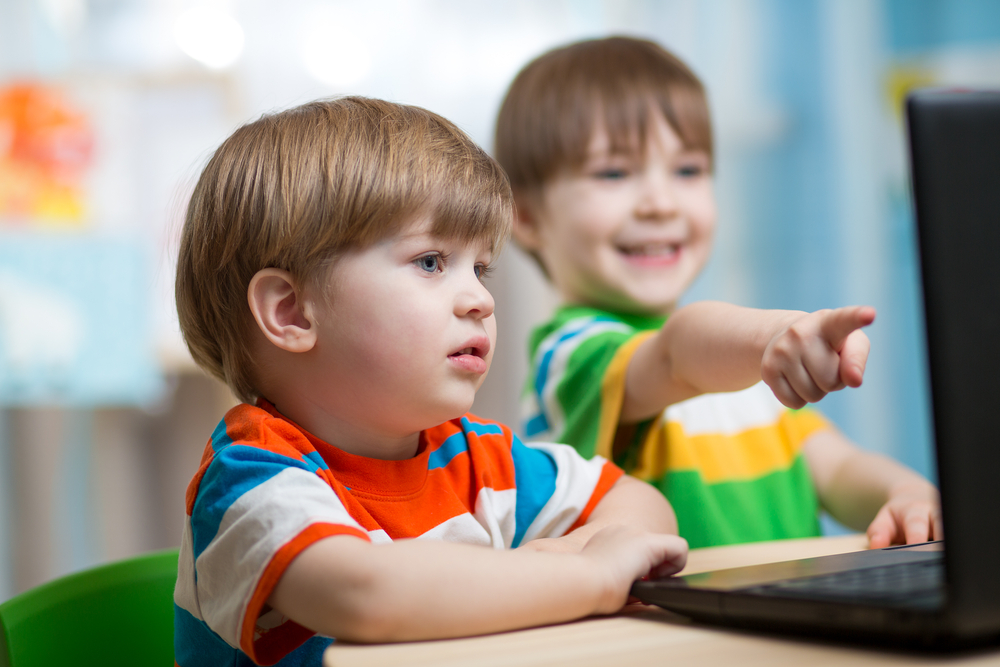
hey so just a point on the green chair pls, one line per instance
(116, 614)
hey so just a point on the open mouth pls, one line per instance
(476, 346)
(476, 349)
(472, 357)
(651, 250)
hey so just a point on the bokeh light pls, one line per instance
(210, 36)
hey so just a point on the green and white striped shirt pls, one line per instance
(730, 464)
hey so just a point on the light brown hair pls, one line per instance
(556, 102)
(294, 189)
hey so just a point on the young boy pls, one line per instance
(608, 146)
(330, 271)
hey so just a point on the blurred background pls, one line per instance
(108, 109)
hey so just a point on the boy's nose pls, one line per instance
(474, 300)
(656, 200)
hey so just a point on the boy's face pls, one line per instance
(626, 233)
(406, 334)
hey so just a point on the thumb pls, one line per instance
(854, 358)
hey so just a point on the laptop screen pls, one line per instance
(955, 157)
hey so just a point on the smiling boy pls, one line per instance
(608, 145)
(330, 271)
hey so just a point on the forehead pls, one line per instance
(423, 230)
(657, 133)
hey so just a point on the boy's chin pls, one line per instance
(629, 305)
(652, 301)
(452, 411)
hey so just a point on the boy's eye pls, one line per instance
(429, 263)
(690, 171)
(610, 174)
(482, 271)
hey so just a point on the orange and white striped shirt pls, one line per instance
(266, 490)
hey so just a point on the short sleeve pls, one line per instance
(256, 507)
(563, 399)
(557, 489)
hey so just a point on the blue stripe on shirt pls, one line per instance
(459, 442)
(452, 446)
(317, 460)
(535, 425)
(539, 423)
(479, 428)
(541, 377)
(535, 476)
(220, 439)
(196, 645)
(234, 471)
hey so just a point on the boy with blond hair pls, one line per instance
(330, 271)
(608, 145)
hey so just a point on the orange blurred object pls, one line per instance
(46, 147)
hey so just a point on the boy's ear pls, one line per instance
(280, 310)
(525, 229)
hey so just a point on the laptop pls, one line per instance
(941, 594)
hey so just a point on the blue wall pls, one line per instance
(825, 204)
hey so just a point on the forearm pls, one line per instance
(853, 484)
(421, 589)
(630, 502)
(704, 347)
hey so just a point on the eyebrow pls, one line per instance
(605, 154)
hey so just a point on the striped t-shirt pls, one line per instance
(730, 464)
(266, 490)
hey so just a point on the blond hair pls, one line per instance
(294, 189)
(556, 102)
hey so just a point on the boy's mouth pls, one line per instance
(651, 249)
(472, 357)
(477, 350)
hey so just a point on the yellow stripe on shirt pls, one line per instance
(613, 394)
(724, 457)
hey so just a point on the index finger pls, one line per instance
(839, 323)
(917, 528)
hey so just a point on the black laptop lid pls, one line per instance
(955, 156)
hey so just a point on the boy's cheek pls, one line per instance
(490, 324)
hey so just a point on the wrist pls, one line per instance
(777, 322)
(914, 488)
(603, 588)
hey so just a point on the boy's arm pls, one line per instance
(348, 588)
(711, 347)
(630, 502)
(860, 488)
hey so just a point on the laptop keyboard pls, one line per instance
(913, 584)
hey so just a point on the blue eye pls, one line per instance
(482, 271)
(429, 263)
(611, 174)
(690, 171)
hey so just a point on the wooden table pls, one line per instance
(651, 636)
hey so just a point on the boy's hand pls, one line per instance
(817, 353)
(911, 516)
(623, 554)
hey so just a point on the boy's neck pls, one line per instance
(287, 383)
(347, 436)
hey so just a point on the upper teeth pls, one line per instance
(652, 249)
